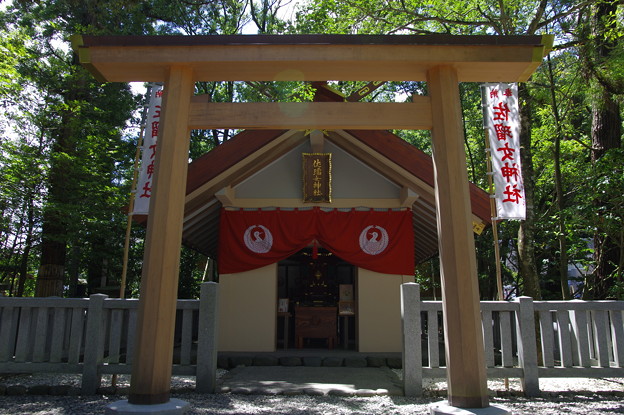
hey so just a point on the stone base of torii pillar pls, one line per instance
(443, 408)
(173, 407)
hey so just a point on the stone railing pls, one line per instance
(95, 336)
(523, 339)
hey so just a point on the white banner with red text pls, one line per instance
(502, 121)
(148, 158)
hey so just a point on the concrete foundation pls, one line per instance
(443, 408)
(173, 407)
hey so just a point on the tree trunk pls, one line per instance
(23, 273)
(606, 134)
(526, 232)
(73, 270)
(561, 235)
(97, 267)
(50, 278)
(56, 216)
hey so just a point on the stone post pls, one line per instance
(206, 377)
(94, 345)
(412, 347)
(527, 346)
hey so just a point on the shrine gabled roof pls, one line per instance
(238, 157)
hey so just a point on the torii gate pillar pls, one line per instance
(151, 371)
(465, 361)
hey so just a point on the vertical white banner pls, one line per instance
(148, 158)
(502, 121)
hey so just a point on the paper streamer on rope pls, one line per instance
(502, 121)
(148, 158)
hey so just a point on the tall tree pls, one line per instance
(604, 47)
(527, 264)
(510, 17)
(72, 120)
(83, 121)
(265, 15)
(22, 161)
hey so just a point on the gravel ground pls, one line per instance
(580, 396)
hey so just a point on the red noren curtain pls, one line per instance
(377, 241)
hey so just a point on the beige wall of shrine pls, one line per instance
(281, 181)
(379, 309)
(248, 306)
(247, 310)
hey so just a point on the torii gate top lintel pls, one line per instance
(312, 57)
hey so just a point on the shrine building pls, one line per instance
(313, 233)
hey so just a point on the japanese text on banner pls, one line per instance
(146, 174)
(502, 121)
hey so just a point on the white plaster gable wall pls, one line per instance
(351, 179)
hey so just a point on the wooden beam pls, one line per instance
(388, 203)
(364, 91)
(317, 141)
(311, 115)
(408, 197)
(488, 59)
(151, 367)
(226, 196)
(466, 372)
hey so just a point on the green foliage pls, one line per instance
(67, 152)
(67, 141)
(608, 180)
(68, 168)
(192, 269)
(602, 46)
(12, 51)
(427, 275)
(21, 163)
(419, 17)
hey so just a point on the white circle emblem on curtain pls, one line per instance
(376, 243)
(256, 241)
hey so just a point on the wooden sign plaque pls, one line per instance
(317, 177)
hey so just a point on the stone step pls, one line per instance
(229, 361)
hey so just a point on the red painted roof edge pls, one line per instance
(226, 155)
(419, 164)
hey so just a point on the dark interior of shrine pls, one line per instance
(316, 296)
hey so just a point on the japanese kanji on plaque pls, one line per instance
(146, 174)
(317, 177)
(502, 121)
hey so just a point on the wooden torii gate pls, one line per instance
(441, 60)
